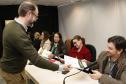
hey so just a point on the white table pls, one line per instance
(43, 76)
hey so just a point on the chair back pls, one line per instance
(68, 44)
(92, 50)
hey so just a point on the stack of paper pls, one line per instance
(74, 62)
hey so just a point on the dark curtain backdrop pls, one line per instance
(2, 24)
(48, 17)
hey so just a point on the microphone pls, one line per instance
(91, 65)
(59, 59)
(88, 68)
(86, 71)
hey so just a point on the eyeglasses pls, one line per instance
(36, 15)
(74, 42)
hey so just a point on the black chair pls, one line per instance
(92, 50)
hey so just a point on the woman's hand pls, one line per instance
(51, 56)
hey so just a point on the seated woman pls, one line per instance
(58, 48)
(79, 50)
(45, 42)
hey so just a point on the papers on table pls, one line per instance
(74, 62)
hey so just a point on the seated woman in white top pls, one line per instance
(45, 42)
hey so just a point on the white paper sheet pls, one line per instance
(73, 62)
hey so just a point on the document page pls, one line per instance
(74, 62)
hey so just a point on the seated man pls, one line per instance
(111, 63)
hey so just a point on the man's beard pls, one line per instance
(31, 24)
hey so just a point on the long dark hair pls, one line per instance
(46, 35)
(60, 43)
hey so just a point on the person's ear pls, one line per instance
(29, 13)
(120, 51)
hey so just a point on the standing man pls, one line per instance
(18, 48)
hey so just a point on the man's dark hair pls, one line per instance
(118, 41)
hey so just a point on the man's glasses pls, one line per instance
(36, 15)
